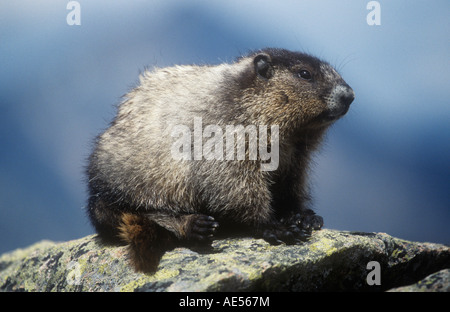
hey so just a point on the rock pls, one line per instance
(330, 261)
(436, 282)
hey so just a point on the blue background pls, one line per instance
(385, 167)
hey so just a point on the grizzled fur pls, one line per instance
(141, 196)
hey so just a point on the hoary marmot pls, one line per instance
(166, 172)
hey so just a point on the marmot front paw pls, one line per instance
(290, 235)
(202, 228)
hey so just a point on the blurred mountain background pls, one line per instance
(385, 167)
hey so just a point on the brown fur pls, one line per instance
(141, 196)
(146, 245)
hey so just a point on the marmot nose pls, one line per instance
(339, 101)
(347, 96)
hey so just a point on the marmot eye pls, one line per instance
(305, 74)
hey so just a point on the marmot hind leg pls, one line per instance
(150, 235)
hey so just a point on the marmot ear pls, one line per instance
(263, 65)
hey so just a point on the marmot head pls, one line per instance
(294, 89)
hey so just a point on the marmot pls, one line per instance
(143, 196)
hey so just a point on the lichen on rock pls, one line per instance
(330, 260)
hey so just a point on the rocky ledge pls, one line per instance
(330, 261)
